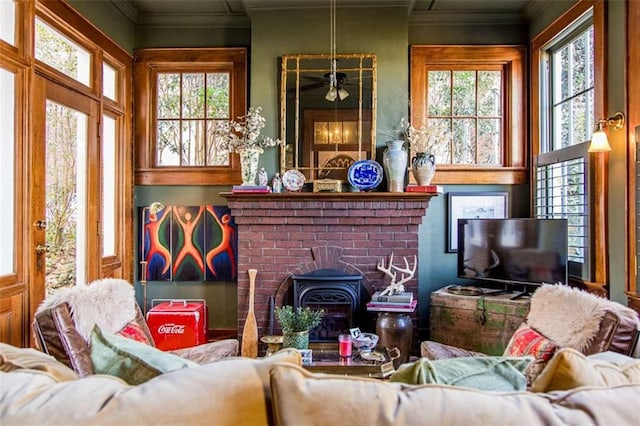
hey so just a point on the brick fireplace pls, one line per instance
(296, 233)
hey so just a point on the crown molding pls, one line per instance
(126, 9)
(261, 5)
(476, 17)
(194, 20)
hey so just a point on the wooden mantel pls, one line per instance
(333, 196)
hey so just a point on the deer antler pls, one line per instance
(406, 270)
(387, 271)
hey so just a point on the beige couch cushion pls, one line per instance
(233, 391)
(12, 358)
(570, 369)
(302, 398)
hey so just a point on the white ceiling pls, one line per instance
(145, 11)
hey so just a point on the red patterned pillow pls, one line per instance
(528, 342)
(134, 331)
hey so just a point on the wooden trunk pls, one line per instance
(478, 323)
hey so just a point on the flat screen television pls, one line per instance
(513, 251)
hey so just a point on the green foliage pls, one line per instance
(299, 320)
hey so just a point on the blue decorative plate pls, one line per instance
(365, 174)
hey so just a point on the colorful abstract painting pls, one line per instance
(188, 243)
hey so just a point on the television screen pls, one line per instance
(516, 251)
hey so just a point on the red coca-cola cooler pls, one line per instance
(176, 324)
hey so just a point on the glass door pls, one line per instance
(65, 180)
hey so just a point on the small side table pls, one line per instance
(395, 329)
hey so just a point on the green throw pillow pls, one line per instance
(490, 373)
(132, 361)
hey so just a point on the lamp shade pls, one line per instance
(599, 142)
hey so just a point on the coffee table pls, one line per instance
(326, 359)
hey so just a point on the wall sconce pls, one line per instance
(599, 140)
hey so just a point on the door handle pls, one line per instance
(42, 249)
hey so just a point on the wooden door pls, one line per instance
(65, 187)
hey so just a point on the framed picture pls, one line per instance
(474, 205)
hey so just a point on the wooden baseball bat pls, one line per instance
(250, 331)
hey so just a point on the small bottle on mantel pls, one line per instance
(276, 183)
(263, 178)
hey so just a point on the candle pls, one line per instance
(344, 345)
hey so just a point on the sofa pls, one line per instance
(35, 389)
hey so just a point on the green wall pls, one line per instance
(110, 20)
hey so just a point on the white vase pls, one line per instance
(423, 166)
(249, 165)
(394, 160)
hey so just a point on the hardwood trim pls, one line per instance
(147, 63)
(512, 60)
(600, 200)
(633, 121)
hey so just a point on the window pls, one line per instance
(477, 92)
(566, 96)
(8, 21)
(7, 171)
(178, 106)
(189, 104)
(562, 192)
(58, 51)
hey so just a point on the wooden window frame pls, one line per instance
(633, 121)
(599, 207)
(513, 61)
(147, 63)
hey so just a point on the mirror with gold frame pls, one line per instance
(327, 113)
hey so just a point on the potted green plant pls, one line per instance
(296, 324)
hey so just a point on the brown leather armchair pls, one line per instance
(56, 334)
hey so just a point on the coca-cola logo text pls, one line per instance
(171, 329)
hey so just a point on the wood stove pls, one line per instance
(339, 294)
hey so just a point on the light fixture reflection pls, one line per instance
(599, 139)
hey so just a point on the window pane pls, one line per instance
(489, 142)
(59, 52)
(193, 143)
(66, 196)
(108, 186)
(442, 150)
(7, 177)
(218, 95)
(168, 143)
(216, 157)
(8, 21)
(439, 93)
(109, 81)
(489, 94)
(168, 95)
(193, 95)
(464, 141)
(464, 93)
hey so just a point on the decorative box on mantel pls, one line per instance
(281, 234)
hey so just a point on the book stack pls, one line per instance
(403, 302)
(425, 188)
(251, 189)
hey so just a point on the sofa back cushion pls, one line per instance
(233, 391)
(12, 359)
(303, 398)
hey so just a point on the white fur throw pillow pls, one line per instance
(108, 302)
(568, 316)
